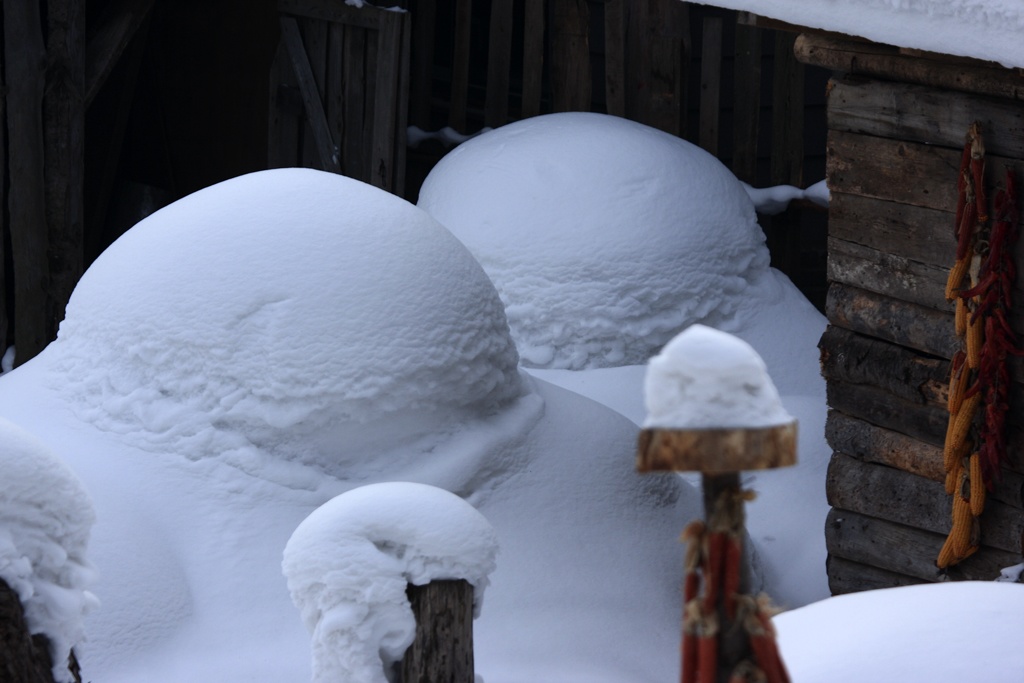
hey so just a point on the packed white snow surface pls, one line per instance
(939, 633)
(708, 379)
(348, 565)
(188, 538)
(984, 29)
(603, 236)
(606, 238)
(281, 313)
(45, 519)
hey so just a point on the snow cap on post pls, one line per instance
(348, 565)
(712, 408)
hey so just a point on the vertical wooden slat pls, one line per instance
(334, 84)
(283, 129)
(615, 57)
(423, 27)
(402, 104)
(570, 56)
(25, 61)
(64, 153)
(385, 115)
(747, 102)
(533, 57)
(665, 78)
(323, 154)
(5, 283)
(710, 83)
(369, 102)
(352, 152)
(314, 42)
(787, 150)
(499, 61)
(638, 61)
(460, 66)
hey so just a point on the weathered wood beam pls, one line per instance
(845, 576)
(870, 443)
(313, 35)
(24, 658)
(904, 373)
(884, 61)
(897, 496)
(916, 113)
(422, 87)
(905, 550)
(25, 72)
(355, 145)
(367, 16)
(387, 100)
(315, 115)
(114, 31)
(924, 422)
(666, 80)
(911, 325)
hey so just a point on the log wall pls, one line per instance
(893, 156)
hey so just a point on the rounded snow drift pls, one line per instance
(281, 310)
(604, 237)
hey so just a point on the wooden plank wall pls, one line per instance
(339, 91)
(893, 155)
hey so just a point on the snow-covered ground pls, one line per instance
(248, 354)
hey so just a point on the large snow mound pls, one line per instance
(940, 633)
(283, 312)
(604, 237)
(349, 562)
(45, 520)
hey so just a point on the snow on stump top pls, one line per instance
(45, 520)
(712, 408)
(349, 563)
(604, 237)
(282, 310)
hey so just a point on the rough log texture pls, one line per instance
(845, 576)
(716, 451)
(23, 658)
(905, 550)
(887, 62)
(443, 648)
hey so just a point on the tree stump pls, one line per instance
(442, 651)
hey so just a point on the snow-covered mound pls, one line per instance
(705, 379)
(604, 237)
(45, 520)
(349, 562)
(940, 633)
(283, 312)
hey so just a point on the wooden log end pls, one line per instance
(716, 451)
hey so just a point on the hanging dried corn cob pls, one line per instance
(980, 282)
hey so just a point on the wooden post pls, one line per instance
(570, 56)
(442, 651)
(725, 612)
(24, 658)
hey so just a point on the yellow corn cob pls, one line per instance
(960, 320)
(953, 452)
(974, 340)
(952, 477)
(956, 276)
(977, 486)
(960, 426)
(959, 542)
(957, 386)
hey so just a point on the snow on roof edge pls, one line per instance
(988, 30)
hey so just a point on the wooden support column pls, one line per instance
(64, 153)
(443, 647)
(25, 69)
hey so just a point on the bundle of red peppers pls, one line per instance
(981, 283)
(714, 558)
